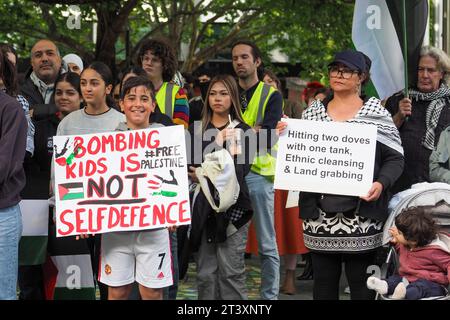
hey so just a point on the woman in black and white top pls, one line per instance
(339, 228)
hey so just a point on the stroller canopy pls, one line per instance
(435, 196)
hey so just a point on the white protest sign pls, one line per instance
(326, 157)
(131, 180)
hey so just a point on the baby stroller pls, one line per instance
(435, 197)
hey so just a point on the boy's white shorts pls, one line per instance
(143, 256)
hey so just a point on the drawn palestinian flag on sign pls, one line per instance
(154, 183)
(168, 188)
(60, 158)
(70, 191)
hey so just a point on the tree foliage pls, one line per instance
(307, 31)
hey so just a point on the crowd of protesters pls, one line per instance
(65, 96)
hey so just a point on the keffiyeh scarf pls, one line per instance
(437, 100)
(46, 90)
(372, 112)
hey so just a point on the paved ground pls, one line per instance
(188, 291)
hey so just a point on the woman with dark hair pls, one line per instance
(67, 99)
(9, 84)
(12, 181)
(97, 116)
(347, 229)
(218, 232)
(348, 73)
(67, 93)
(10, 52)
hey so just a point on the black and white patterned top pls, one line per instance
(342, 232)
(371, 113)
(348, 232)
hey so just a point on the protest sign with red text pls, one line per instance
(121, 181)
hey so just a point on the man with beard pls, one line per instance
(38, 89)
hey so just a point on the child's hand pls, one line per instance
(83, 236)
(394, 233)
(172, 228)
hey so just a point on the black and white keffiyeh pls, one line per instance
(372, 112)
(437, 100)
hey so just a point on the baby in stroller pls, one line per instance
(424, 258)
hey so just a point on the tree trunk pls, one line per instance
(105, 47)
(112, 21)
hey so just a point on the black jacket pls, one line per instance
(242, 169)
(13, 136)
(387, 168)
(34, 97)
(412, 132)
(203, 216)
(37, 168)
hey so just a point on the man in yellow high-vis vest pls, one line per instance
(261, 107)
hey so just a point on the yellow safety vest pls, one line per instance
(263, 164)
(165, 98)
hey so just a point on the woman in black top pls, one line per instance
(218, 233)
(340, 228)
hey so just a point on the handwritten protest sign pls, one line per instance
(326, 157)
(131, 180)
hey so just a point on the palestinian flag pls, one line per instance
(70, 191)
(169, 189)
(165, 187)
(33, 243)
(377, 31)
(68, 270)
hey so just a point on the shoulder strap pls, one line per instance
(168, 102)
(264, 93)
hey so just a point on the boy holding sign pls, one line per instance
(141, 256)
